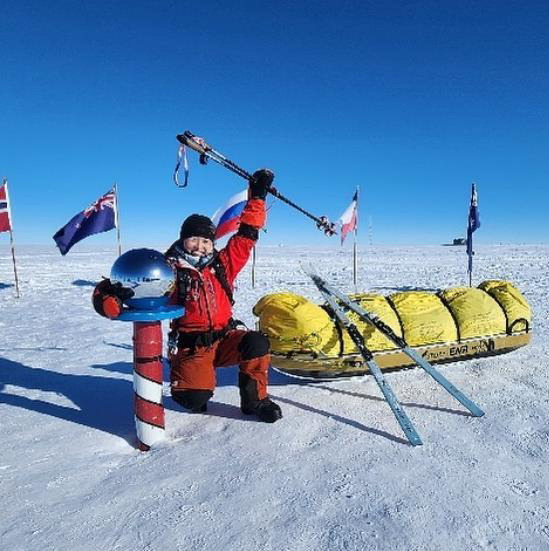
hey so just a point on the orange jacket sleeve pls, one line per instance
(237, 251)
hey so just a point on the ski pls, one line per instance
(358, 339)
(348, 304)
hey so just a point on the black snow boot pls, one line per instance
(265, 409)
(194, 400)
(250, 404)
(201, 409)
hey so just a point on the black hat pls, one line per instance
(197, 225)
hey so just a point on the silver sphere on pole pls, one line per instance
(147, 273)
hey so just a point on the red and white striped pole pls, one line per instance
(147, 383)
(147, 273)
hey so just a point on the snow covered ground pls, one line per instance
(335, 473)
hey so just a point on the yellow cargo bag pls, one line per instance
(424, 318)
(516, 309)
(292, 322)
(374, 338)
(295, 324)
(475, 311)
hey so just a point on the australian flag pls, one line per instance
(472, 224)
(100, 216)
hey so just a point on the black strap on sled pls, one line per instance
(518, 320)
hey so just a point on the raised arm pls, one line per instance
(237, 251)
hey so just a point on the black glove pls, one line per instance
(108, 297)
(116, 289)
(260, 183)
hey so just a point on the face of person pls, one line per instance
(198, 246)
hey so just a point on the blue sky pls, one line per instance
(412, 101)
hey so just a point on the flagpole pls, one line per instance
(14, 265)
(354, 261)
(12, 245)
(117, 218)
(354, 243)
(470, 253)
(470, 264)
(470, 240)
(253, 267)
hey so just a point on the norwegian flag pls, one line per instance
(99, 217)
(349, 219)
(5, 215)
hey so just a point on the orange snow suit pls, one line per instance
(206, 336)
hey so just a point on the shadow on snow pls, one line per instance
(102, 403)
(342, 419)
(84, 283)
(106, 403)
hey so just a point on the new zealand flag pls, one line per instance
(473, 223)
(100, 216)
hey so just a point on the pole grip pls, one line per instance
(193, 142)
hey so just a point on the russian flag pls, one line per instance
(349, 219)
(227, 218)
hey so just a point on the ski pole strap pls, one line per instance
(181, 157)
(207, 152)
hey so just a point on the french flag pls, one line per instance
(227, 218)
(349, 219)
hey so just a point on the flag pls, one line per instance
(473, 223)
(5, 215)
(100, 216)
(349, 219)
(227, 218)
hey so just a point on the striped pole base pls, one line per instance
(147, 383)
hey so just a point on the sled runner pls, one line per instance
(306, 363)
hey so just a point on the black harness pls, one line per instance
(187, 284)
(193, 340)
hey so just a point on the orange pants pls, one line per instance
(195, 369)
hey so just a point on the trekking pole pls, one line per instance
(207, 152)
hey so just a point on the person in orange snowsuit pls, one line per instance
(206, 336)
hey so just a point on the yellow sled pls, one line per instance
(451, 325)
